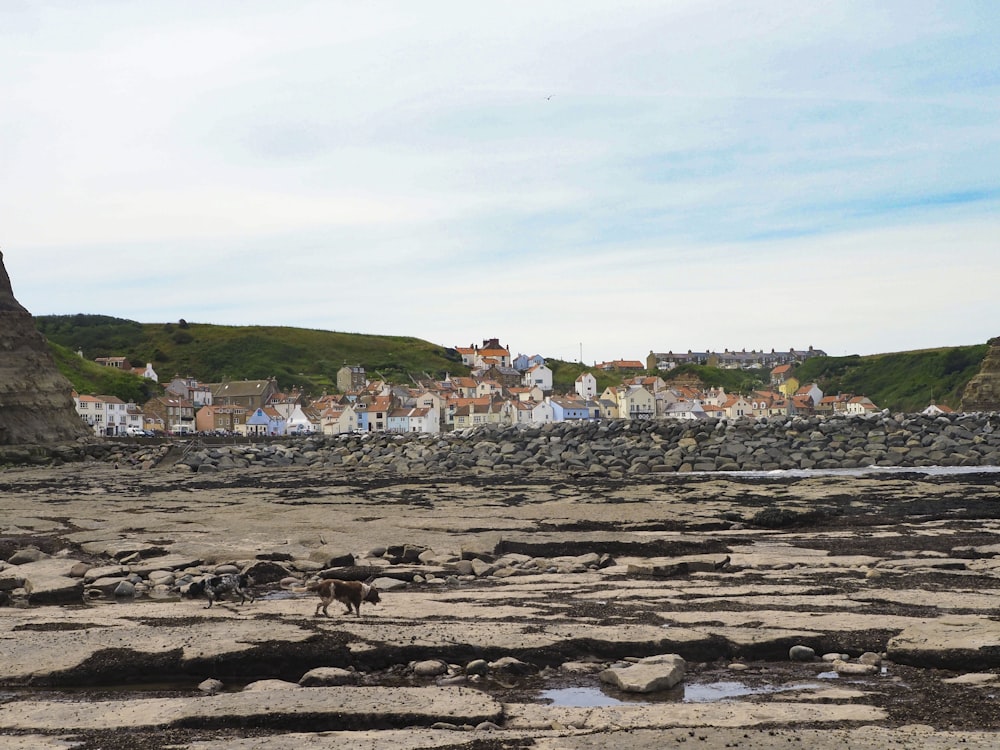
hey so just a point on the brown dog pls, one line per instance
(348, 593)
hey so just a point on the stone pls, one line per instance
(124, 590)
(481, 568)
(801, 653)
(648, 675)
(328, 677)
(846, 668)
(463, 568)
(385, 583)
(103, 571)
(10, 581)
(477, 666)
(510, 665)
(581, 667)
(26, 555)
(79, 570)
(429, 668)
(340, 560)
(478, 549)
(261, 686)
(210, 686)
(265, 571)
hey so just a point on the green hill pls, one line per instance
(89, 377)
(902, 381)
(294, 356)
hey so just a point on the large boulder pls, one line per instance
(647, 675)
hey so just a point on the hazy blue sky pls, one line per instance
(621, 176)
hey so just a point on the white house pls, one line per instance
(715, 397)
(488, 388)
(105, 415)
(413, 420)
(860, 405)
(542, 412)
(737, 407)
(134, 419)
(586, 386)
(635, 402)
(812, 391)
(148, 372)
(264, 421)
(685, 410)
(539, 376)
(298, 421)
(526, 393)
(339, 420)
(516, 411)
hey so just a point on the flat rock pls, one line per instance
(48, 581)
(319, 709)
(949, 642)
(35, 655)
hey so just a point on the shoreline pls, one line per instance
(551, 571)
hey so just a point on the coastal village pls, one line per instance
(500, 390)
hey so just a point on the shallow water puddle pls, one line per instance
(722, 691)
(709, 692)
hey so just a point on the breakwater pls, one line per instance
(621, 448)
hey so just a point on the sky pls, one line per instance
(582, 180)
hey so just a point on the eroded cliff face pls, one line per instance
(983, 391)
(36, 402)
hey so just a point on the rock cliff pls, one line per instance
(983, 392)
(36, 402)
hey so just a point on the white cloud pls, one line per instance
(626, 175)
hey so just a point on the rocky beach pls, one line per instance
(578, 602)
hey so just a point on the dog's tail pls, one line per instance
(312, 586)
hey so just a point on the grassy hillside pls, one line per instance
(295, 356)
(89, 377)
(733, 381)
(564, 375)
(903, 381)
